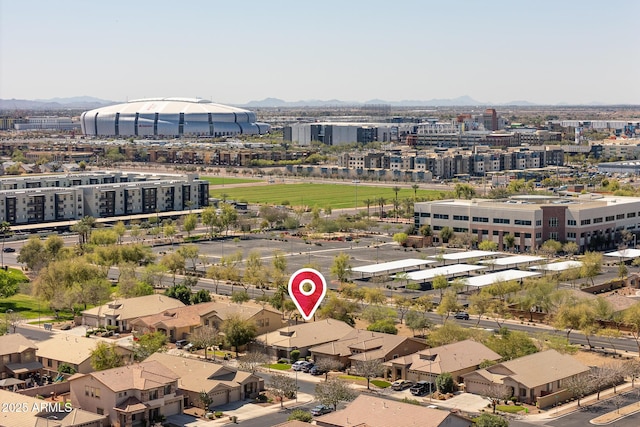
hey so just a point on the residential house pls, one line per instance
(301, 337)
(17, 357)
(457, 359)
(373, 411)
(121, 312)
(223, 384)
(528, 377)
(41, 413)
(361, 345)
(74, 351)
(132, 395)
(178, 323)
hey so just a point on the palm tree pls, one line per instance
(396, 189)
(368, 202)
(415, 191)
(381, 202)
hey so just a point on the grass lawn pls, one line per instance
(337, 196)
(380, 383)
(27, 306)
(278, 366)
(512, 409)
(220, 180)
(352, 378)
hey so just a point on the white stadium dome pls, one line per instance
(170, 117)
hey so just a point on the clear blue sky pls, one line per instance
(236, 51)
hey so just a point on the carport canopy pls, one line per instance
(391, 265)
(558, 266)
(454, 270)
(457, 256)
(500, 276)
(512, 260)
(624, 253)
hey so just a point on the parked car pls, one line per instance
(8, 249)
(401, 385)
(317, 371)
(308, 367)
(299, 365)
(181, 343)
(320, 410)
(422, 387)
(462, 315)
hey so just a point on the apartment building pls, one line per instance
(49, 198)
(592, 221)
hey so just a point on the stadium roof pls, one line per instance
(447, 271)
(558, 266)
(513, 260)
(391, 265)
(465, 255)
(625, 253)
(500, 276)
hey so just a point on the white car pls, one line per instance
(299, 365)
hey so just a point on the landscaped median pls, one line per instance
(613, 416)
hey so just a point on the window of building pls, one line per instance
(610, 218)
(516, 234)
(99, 411)
(631, 215)
(167, 389)
(585, 222)
(527, 235)
(496, 232)
(538, 222)
(501, 221)
(553, 235)
(538, 235)
(425, 214)
(620, 216)
(480, 219)
(485, 232)
(460, 218)
(597, 220)
(553, 222)
(153, 394)
(572, 222)
(571, 235)
(460, 229)
(522, 222)
(437, 227)
(440, 216)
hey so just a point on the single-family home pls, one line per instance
(27, 411)
(17, 357)
(74, 351)
(528, 377)
(131, 395)
(178, 323)
(121, 312)
(457, 359)
(301, 337)
(224, 384)
(361, 345)
(373, 411)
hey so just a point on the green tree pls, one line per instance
(417, 322)
(631, 318)
(105, 356)
(337, 308)
(211, 220)
(238, 331)
(9, 284)
(400, 238)
(33, 254)
(440, 283)
(464, 191)
(205, 337)
(446, 234)
(386, 326)
(120, 230)
(487, 245)
(83, 228)
(5, 231)
(444, 383)
(190, 252)
(174, 262)
(228, 217)
(201, 296)
(341, 267)
(255, 272)
(179, 292)
(509, 241)
(147, 344)
(570, 248)
(448, 333)
(190, 223)
(511, 344)
(448, 304)
(300, 415)
(591, 265)
(550, 248)
(240, 297)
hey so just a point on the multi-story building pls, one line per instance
(592, 221)
(339, 133)
(38, 199)
(132, 395)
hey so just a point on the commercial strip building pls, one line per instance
(50, 198)
(592, 221)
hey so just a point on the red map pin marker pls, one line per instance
(307, 301)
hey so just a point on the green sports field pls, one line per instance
(335, 195)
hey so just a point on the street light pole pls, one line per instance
(356, 182)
